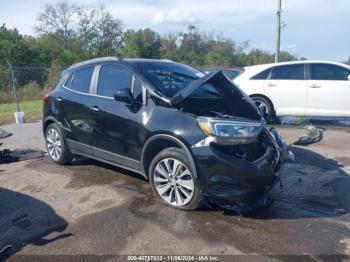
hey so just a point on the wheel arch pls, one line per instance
(48, 121)
(159, 142)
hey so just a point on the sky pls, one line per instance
(315, 29)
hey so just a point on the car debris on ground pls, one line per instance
(314, 135)
(4, 134)
(9, 156)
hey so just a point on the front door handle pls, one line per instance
(59, 99)
(271, 84)
(315, 86)
(95, 109)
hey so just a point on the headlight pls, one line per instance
(230, 131)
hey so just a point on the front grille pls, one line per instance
(250, 152)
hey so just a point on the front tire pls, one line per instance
(173, 180)
(265, 107)
(56, 145)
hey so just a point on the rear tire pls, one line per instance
(56, 145)
(265, 107)
(173, 180)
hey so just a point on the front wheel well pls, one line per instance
(153, 149)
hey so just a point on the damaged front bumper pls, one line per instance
(239, 177)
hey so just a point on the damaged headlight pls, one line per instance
(230, 131)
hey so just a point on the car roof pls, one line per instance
(224, 69)
(116, 59)
(295, 62)
(255, 69)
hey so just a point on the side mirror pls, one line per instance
(125, 96)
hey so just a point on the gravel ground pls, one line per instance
(95, 209)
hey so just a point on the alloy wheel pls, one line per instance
(263, 107)
(173, 182)
(54, 144)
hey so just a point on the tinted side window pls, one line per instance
(328, 72)
(81, 80)
(262, 75)
(288, 72)
(113, 78)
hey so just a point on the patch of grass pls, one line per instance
(33, 110)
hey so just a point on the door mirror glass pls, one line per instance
(124, 95)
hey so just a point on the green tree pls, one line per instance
(191, 50)
(257, 56)
(108, 33)
(15, 50)
(169, 46)
(143, 43)
(286, 56)
(57, 21)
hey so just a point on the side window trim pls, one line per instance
(94, 80)
(133, 83)
(269, 74)
(307, 71)
(144, 94)
(143, 91)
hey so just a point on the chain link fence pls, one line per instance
(22, 89)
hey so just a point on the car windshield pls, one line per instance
(168, 77)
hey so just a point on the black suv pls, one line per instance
(194, 136)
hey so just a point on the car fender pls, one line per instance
(172, 139)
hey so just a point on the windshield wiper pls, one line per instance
(184, 75)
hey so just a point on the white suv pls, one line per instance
(300, 88)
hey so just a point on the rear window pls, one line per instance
(80, 80)
(262, 75)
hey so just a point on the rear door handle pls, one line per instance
(95, 109)
(271, 84)
(315, 86)
(59, 99)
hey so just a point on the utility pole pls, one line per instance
(278, 35)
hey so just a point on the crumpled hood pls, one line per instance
(184, 93)
(234, 103)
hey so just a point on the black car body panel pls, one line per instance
(124, 135)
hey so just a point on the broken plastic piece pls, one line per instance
(315, 134)
(4, 133)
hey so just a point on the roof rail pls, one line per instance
(167, 60)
